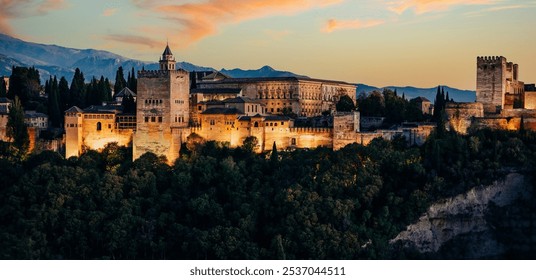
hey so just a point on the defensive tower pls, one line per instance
(162, 108)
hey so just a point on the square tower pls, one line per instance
(490, 83)
(162, 109)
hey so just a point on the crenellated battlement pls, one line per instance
(490, 59)
(311, 130)
(153, 73)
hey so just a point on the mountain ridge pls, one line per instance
(410, 92)
(60, 61)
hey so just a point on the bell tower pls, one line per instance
(167, 62)
(162, 109)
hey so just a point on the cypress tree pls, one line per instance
(54, 111)
(108, 89)
(78, 90)
(103, 92)
(120, 82)
(274, 157)
(16, 128)
(133, 82)
(63, 94)
(3, 90)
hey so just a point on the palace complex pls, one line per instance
(172, 107)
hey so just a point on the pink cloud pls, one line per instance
(334, 24)
(109, 12)
(199, 20)
(22, 8)
(425, 6)
(133, 39)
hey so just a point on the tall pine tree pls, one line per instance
(132, 81)
(54, 112)
(120, 82)
(3, 88)
(64, 97)
(78, 90)
(16, 128)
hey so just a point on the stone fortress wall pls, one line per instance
(502, 101)
(163, 109)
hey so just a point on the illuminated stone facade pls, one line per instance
(497, 84)
(95, 127)
(304, 96)
(503, 102)
(162, 109)
(220, 109)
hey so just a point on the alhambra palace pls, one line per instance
(169, 112)
(174, 107)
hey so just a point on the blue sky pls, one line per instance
(407, 42)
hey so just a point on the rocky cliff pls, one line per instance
(464, 221)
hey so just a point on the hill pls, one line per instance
(62, 61)
(430, 93)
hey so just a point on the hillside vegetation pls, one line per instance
(220, 203)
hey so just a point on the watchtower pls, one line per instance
(162, 109)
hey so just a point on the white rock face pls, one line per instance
(464, 214)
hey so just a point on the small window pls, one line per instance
(146, 119)
(153, 119)
(109, 126)
(99, 126)
(159, 119)
(256, 124)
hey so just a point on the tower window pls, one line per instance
(99, 126)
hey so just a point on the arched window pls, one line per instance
(99, 126)
(256, 124)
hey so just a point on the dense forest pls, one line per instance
(221, 203)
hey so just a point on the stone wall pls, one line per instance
(500, 123)
(530, 100)
(306, 97)
(490, 82)
(162, 105)
(3, 127)
(460, 115)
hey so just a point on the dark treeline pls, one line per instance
(57, 95)
(220, 203)
(389, 104)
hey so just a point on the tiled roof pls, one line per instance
(421, 99)
(125, 92)
(74, 109)
(167, 51)
(273, 79)
(239, 100)
(222, 111)
(276, 118)
(216, 90)
(110, 109)
(34, 114)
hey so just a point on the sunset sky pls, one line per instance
(408, 42)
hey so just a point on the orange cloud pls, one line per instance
(425, 6)
(133, 39)
(22, 8)
(199, 20)
(333, 24)
(50, 5)
(109, 12)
